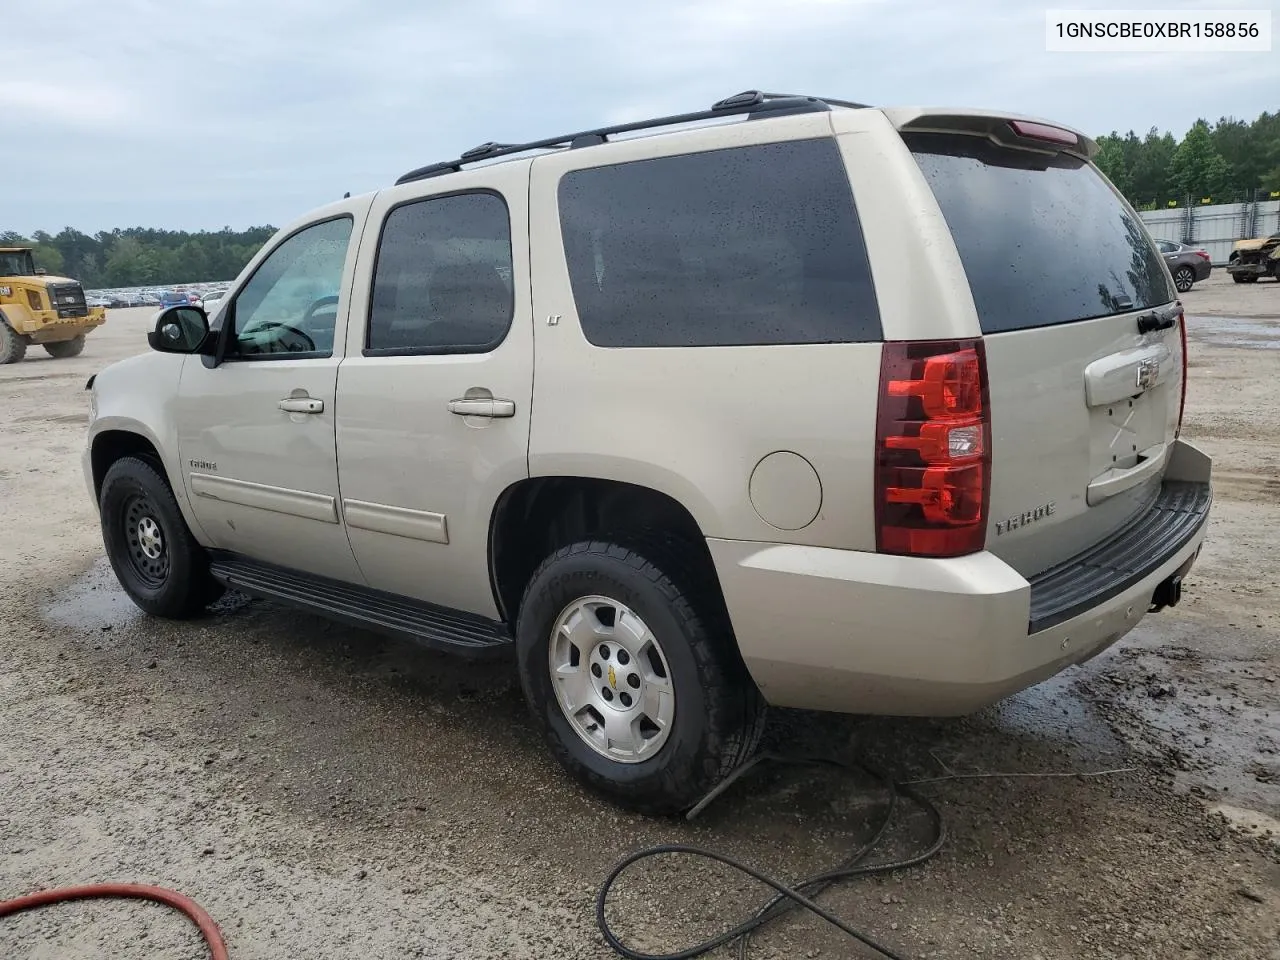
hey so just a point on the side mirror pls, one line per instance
(179, 330)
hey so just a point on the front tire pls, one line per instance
(633, 675)
(155, 557)
(65, 349)
(1184, 278)
(13, 346)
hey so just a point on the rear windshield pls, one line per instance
(1044, 240)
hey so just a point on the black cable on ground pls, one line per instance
(786, 898)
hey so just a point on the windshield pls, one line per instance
(1043, 239)
(17, 264)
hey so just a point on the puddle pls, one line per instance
(94, 602)
(1249, 332)
(1055, 710)
(1210, 722)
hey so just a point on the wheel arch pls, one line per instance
(114, 443)
(17, 317)
(536, 516)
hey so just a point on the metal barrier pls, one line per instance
(1214, 227)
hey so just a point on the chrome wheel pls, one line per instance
(1183, 279)
(148, 554)
(611, 679)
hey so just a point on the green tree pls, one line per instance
(49, 257)
(1151, 167)
(1235, 141)
(1111, 160)
(1197, 168)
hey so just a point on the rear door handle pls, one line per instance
(301, 405)
(482, 407)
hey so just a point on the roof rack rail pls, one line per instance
(751, 102)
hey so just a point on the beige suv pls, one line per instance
(792, 401)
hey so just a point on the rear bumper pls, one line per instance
(1203, 269)
(868, 633)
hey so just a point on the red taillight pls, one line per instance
(1202, 254)
(1042, 131)
(933, 448)
(1182, 334)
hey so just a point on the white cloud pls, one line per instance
(207, 112)
(74, 104)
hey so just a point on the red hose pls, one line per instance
(128, 891)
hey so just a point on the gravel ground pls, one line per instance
(328, 794)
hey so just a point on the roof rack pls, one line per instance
(750, 102)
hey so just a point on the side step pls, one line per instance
(440, 628)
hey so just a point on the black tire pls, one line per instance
(1248, 278)
(1184, 279)
(13, 346)
(719, 713)
(65, 349)
(176, 585)
(1240, 278)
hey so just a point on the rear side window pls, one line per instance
(442, 283)
(1044, 240)
(749, 245)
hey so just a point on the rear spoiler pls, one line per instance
(1006, 129)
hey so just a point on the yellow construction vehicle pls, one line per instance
(37, 308)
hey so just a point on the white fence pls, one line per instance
(1215, 227)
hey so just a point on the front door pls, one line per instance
(256, 431)
(435, 392)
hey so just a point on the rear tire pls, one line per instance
(65, 349)
(155, 557)
(658, 669)
(1239, 277)
(1184, 279)
(13, 346)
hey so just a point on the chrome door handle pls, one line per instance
(301, 405)
(482, 407)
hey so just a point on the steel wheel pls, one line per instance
(611, 679)
(148, 553)
(1183, 279)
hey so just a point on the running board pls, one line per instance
(440, 628)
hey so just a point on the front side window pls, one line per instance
(443, 280)
(747, 245)
(290, 305)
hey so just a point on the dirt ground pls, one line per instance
(331, 794)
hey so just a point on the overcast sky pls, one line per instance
(191, 114)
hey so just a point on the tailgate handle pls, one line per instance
(1151, 322)
(1150, 462)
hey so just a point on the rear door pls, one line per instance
(435, 393)
(1081, 334)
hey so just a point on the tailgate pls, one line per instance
(1082, 340)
